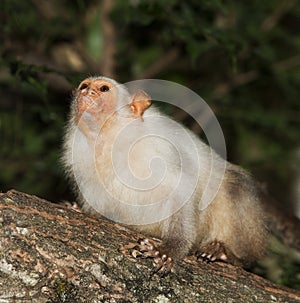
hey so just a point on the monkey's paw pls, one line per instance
(213, 251)
(147, 249)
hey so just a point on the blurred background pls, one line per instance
(242, 59)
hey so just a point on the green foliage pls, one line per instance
(217, 43)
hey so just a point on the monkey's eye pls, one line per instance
(83, 86)
(104, 88)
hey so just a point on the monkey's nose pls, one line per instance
(91, 92)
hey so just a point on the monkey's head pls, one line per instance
(98, 98)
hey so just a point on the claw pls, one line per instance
(147, 249)
(135, 253)
(214, 251)
(164, 266)
(223, 257)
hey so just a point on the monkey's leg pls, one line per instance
(177, 240)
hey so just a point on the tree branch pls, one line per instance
(51, 253)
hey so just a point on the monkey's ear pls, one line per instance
(140, 102)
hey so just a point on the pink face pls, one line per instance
(96, 98)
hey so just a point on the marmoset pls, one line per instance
(124, 159)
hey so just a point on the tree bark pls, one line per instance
(52, 253)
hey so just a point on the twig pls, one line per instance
(109, 45)
(287, 63)
(91, 63)
(279, 12)
(244, 78)
(159, 65)
(46, 9)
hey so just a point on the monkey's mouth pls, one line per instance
(86, 99)
(86, 104)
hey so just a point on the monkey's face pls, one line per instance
(95, 98)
